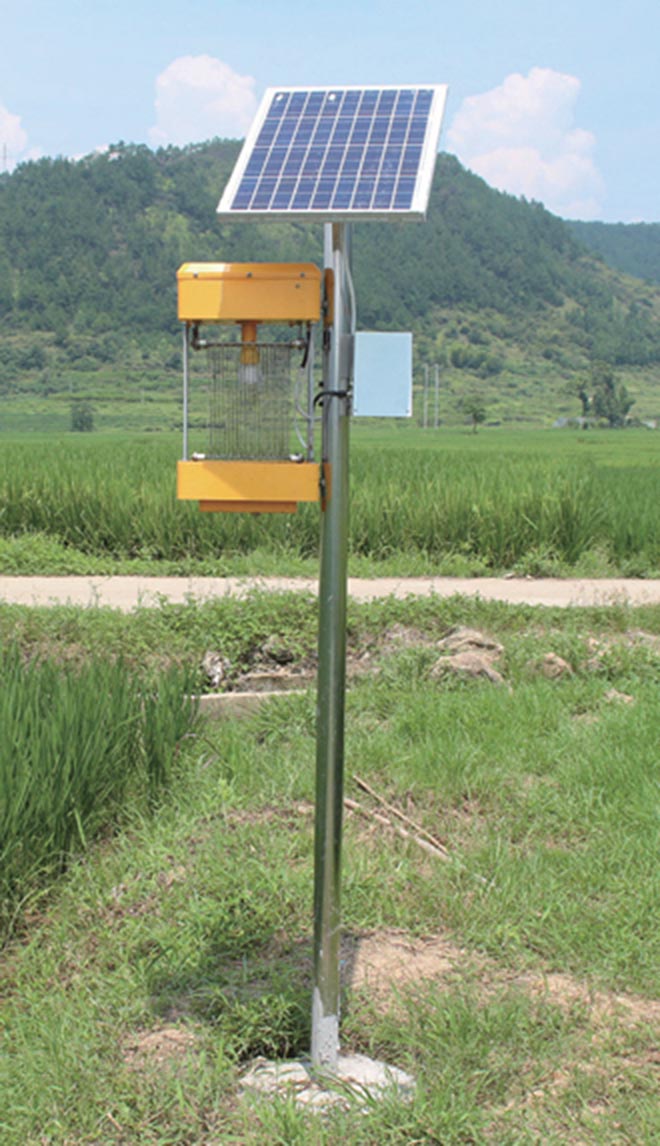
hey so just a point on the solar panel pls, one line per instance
(338, 154)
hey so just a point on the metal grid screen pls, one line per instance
(251, 407)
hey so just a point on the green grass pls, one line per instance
(197, 921)
(179, 635)
(446, 502)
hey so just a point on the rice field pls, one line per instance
(531, 501)
(79, 744)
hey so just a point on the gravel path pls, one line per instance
(126, 593)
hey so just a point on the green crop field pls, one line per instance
(79, 743)
(440, 501)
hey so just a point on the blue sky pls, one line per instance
(556, 100)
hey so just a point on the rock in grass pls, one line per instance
(471, 655)
(462, 640)
(551, 666)
(471, 665)
(275, 649)
(214, 667)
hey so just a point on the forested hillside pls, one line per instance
(630, 247)
(500, 294)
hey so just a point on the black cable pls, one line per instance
(330, 394)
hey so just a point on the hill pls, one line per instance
(630, 247)
(500, 294)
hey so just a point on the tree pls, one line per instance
(580, 389)
(610, 399)
(475, 409)
(82, 417)
(585, 400)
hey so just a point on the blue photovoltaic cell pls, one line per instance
(337, 151)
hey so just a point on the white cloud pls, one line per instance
(13, 140)
(521, 137)
(199, 97)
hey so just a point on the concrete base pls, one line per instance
(217, 705)
(358, 1079)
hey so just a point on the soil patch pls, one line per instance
(164, 1048)
(384, 962)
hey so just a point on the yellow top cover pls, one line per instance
(244, 292)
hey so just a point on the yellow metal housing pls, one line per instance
(261, 292)
(248, 486)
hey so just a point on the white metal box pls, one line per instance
(382, 375)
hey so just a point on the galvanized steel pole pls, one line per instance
(337, 381)
(186, 370)
(426, 396)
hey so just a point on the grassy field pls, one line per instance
(517, 979)
(442, 501)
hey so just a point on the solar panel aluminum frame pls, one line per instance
(423, 178)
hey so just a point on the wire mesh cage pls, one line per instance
(252, 401)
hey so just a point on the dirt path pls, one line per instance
(126, 593)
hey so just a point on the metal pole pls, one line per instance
(426, 396)
(332, 660)
(437, 394)
(185, 391)
(310, 395)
